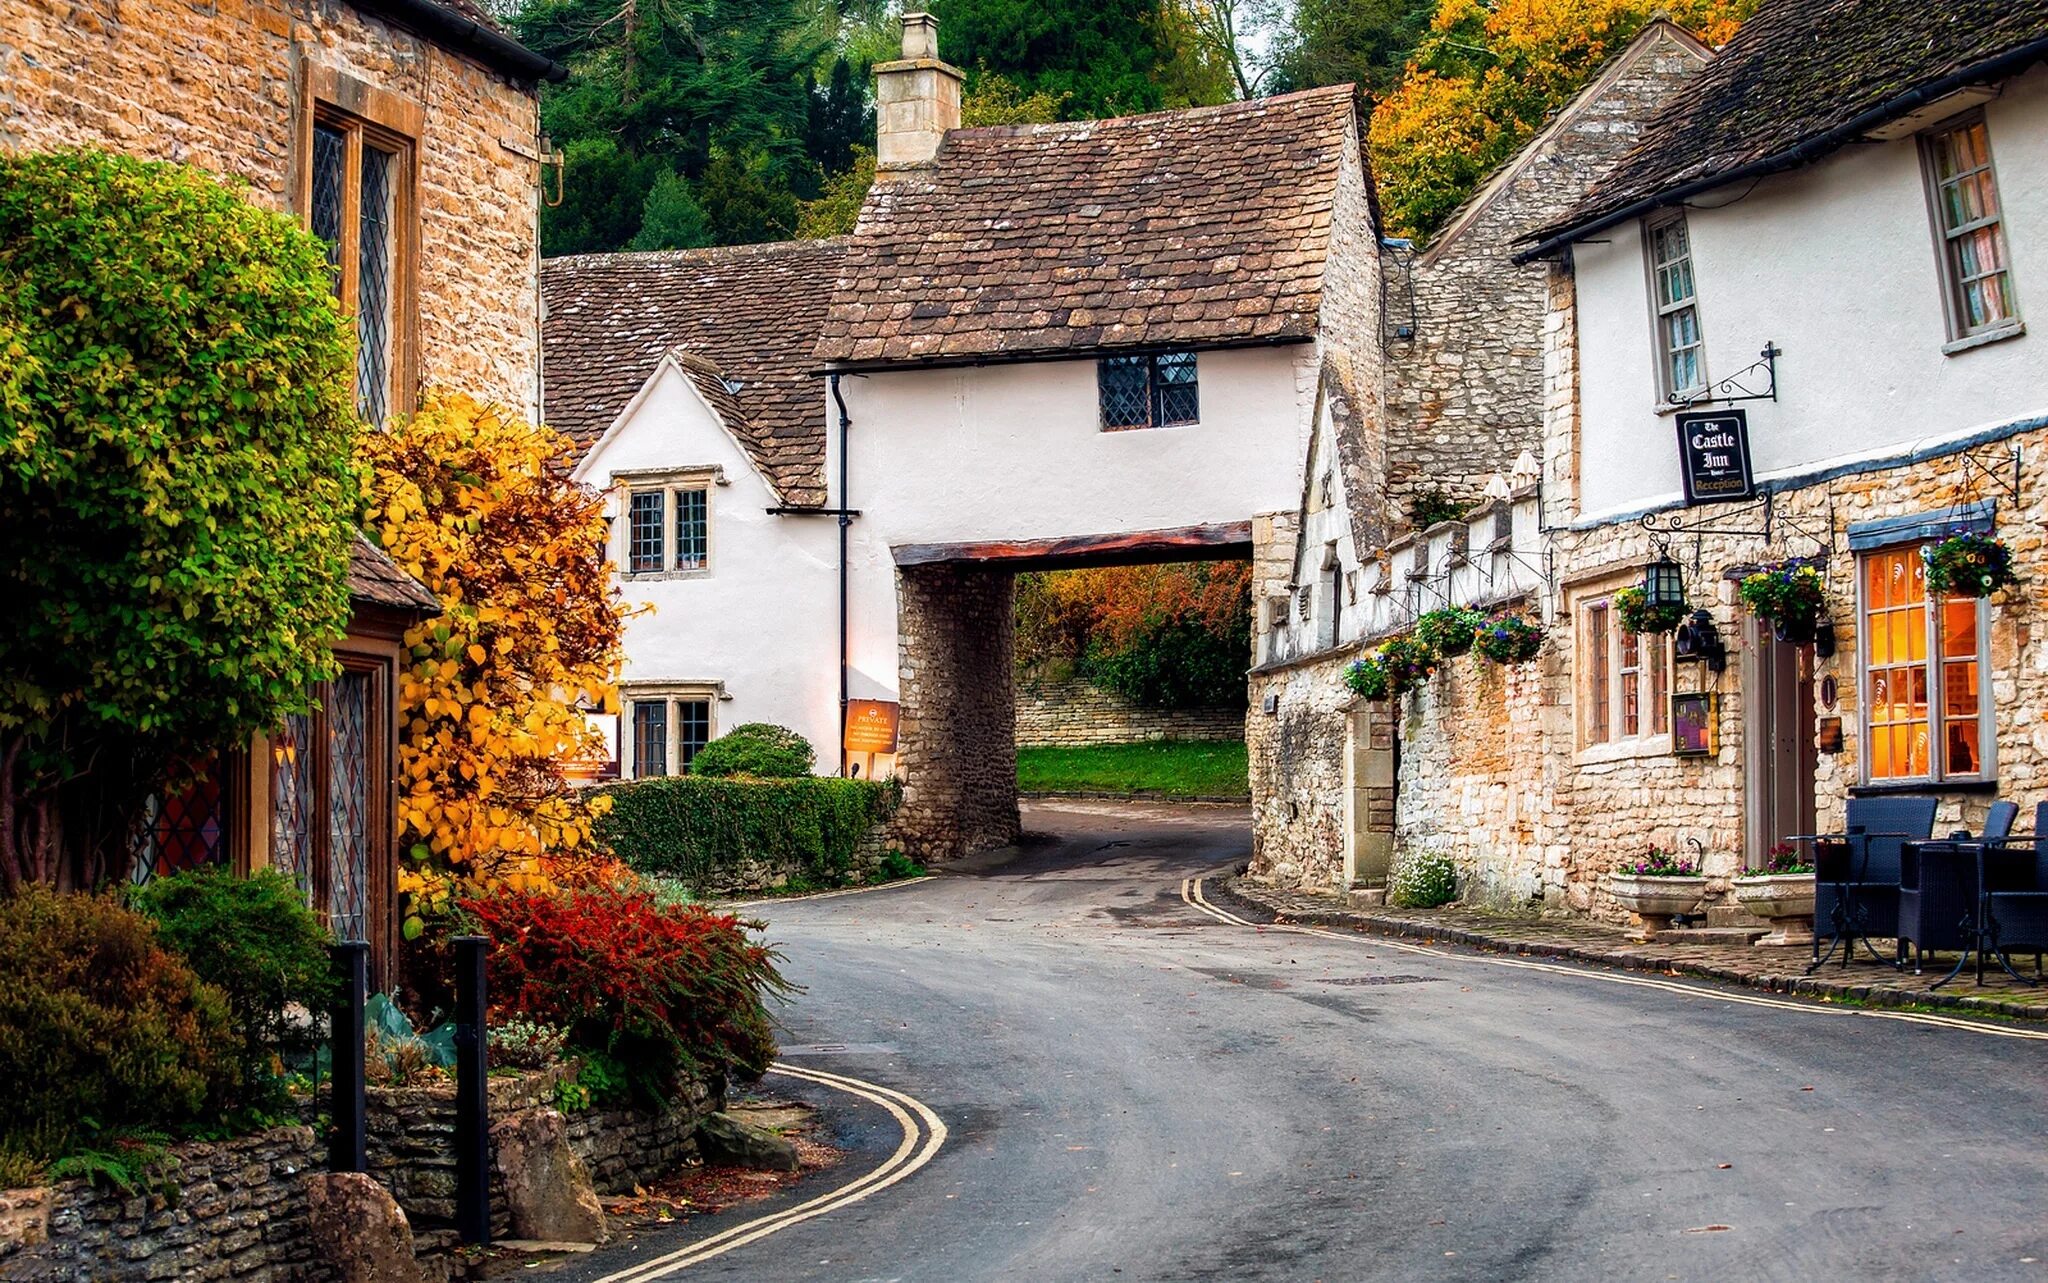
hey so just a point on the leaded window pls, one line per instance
(1924, 660)
(1147, 390)
(650, 738)
(693, 529)
(1681, 362)
(293, 803)
(693, 729)
(1977, 273)
(644, 550)
(668, 523)
(357, 201)
(182, 830)
(1625, 679)
(348, 806)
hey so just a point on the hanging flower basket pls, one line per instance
(1793, 597)
(1449, 631)
(1632, 606)
(1968, 566)
(1367, 678)
(1393, 669)
(1508, 639)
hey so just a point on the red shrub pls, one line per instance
(656, 989)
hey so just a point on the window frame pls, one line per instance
(672, 485)
(1668, 394)
(1601, 682)
(671, 697)
(1932, 664)
(1947, 269)
(1155, 386)
(367, 115)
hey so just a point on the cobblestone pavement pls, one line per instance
(1778, 970)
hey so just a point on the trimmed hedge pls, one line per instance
(711, 832)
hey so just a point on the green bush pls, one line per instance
(1173, 664)
(256, 941)
(700, 830)
(103, 1030)
(757, 749)
(1424, 880)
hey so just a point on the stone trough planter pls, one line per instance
(1656, 900)
(1785, 900)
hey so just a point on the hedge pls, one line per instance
(706, 831)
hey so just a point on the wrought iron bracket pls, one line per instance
(1672, 523)
(1739, 385)
(2005, 481)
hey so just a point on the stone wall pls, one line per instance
(1072, 712)
(958, 757)
(220, 85)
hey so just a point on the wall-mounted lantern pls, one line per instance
(1697, 640)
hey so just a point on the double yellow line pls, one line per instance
(1191, 895)
(923, 1133)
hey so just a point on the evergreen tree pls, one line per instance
(1101, 56)
(671, 218)
(1334, 42)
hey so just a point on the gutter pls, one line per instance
(2001, 67)
(494, 49)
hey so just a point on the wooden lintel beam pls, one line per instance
(1222, 541)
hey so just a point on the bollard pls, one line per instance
(472, 1100)
(346, 1151)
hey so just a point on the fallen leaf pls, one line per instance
(1707, 1229)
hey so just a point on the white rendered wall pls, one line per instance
(1837, 264)
(764, 620)
(1017, 452)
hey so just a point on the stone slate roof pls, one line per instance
(375, 580)
(1794, 76)
(1205, 226)
(747, 314)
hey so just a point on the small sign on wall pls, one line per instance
(871, 725)
(1713, 455)
(1695, 719)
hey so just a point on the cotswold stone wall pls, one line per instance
(1073, 713)
(1299, 809)
(958, 758)
(219, 85)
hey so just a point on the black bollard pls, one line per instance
(472, 1101)
(346, 1151)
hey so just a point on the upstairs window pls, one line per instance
(1976, 273)
(668, 527)
(1150, 390)
(644, 550)
(1681, 360)
(359, 204)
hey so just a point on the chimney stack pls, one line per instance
(917, 99)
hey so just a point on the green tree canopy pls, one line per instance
(176, 491)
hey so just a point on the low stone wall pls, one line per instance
(1073, 713)
(237, 1209)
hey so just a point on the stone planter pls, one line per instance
(1656, 900)
(1785, 900)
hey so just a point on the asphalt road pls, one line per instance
(1136, 1091)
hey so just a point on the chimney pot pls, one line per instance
(920, 35)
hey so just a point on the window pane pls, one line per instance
(650, 738)
(1959, 689)
(373, 285)
(693, 728)
(1596, 692)
(643, 531)
(1121, 387)
(1174, 377)
(348, 807)
(330, 170)
(292, 801)
(1659, 670)
(1962, 748)
(1959, 628)
(693, 530)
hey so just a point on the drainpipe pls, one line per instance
(845, 527)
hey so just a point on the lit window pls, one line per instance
(359, 197)
(1977, 275)
(1681, 363)
(1151, 390)
(1924, 711)
(1625, 688)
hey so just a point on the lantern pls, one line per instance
(1663, 584)
(1698, 640)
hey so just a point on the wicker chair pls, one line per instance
(1938, 888)
(1856, 875)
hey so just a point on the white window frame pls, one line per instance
(1653, 726)
(1933, 661)
(671, 484)
(1960, 331)
(1660, 311)
(671, 695)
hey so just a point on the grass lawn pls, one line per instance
(1166, 767)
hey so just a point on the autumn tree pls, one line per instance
(1176, 635)
(479, 507)
(1483, 79)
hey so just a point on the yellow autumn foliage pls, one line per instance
(477, 505)
(1484, 78)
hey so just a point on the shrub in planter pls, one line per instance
(103, 1030)
(1508, 639)
(658, 992)
(1632, 607)
(1792, 597)
(758, 749)
(256, 941)
(1659, 863)
(1968, 566)
(1448, 630)
(1424, 880)
(694, 829)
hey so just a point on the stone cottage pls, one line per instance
(406, 134)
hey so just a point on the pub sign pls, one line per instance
(1713, 455)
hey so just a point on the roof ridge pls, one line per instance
(700, 253)
(1346, 90)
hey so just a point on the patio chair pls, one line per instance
(1856, 875)
(2016, 903)
(1939, 885)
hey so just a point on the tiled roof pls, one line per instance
(374, 579)
(1202, 226)
(752, 312)
(1797, 74)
